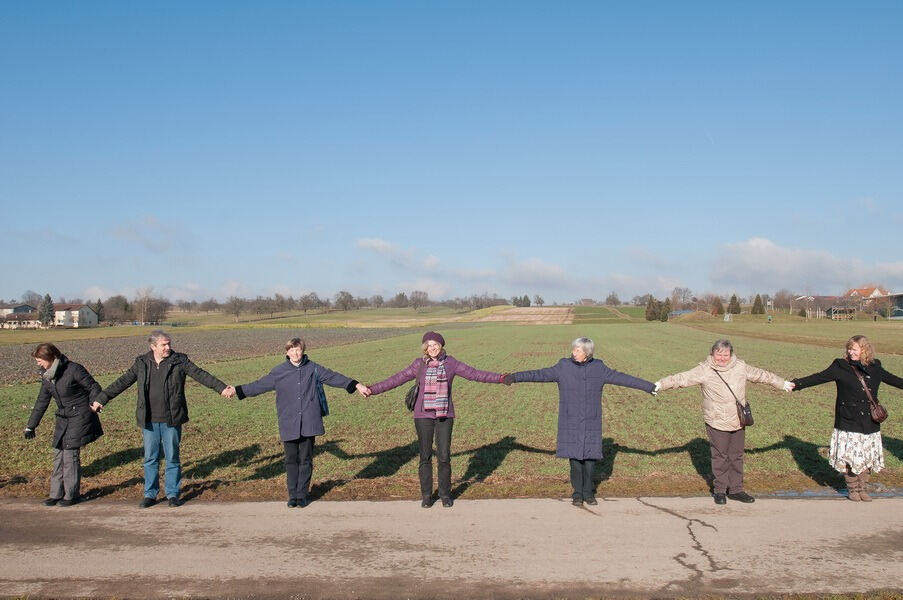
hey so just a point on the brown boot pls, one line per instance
(852, 486)
(863, 486)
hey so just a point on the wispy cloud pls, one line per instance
(154, 235)
(760, 264)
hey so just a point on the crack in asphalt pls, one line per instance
(682, 557)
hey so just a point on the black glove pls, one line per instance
(508, 379)
(29, 433)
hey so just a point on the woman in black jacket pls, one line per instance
(856, 448)
(77, 424)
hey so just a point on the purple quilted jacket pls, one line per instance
(452, 367)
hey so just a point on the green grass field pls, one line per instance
(504, 437)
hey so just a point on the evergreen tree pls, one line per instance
(717, 306)
(525, 301)
(46, 313)
(651, 312)
(733, 306)
(758, 308)
(98, 308)
(665, 310)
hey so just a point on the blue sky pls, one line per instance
(562, 149)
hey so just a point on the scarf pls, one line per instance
(50, 373)
(435, 388)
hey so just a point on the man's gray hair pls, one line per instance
(584, 344)
(156, 335)
(721, 345)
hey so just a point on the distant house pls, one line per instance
(74, 315)
(587, 302)
(20, 320)
(866, 293)
(8, 309)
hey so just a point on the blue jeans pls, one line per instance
(157, 435)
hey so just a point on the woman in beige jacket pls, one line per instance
(723, 378)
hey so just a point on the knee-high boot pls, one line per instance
(852, 485)
(863, 485)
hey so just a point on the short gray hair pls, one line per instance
(721, 345)
(584, 344)
(156, 335)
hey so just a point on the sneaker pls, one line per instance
(50, 501)
(65, 502)
(427, 502)
(448, 502)
(175, 502)
(577, 501)
(147, 502)
(292, 503)
(720, 499)
(591, 501)
(303, 502)
(741, 497)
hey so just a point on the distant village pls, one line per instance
(870, 300)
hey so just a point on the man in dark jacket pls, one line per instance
(161, 410)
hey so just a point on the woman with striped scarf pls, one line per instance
(434, 411)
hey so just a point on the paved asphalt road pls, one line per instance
(628, 547)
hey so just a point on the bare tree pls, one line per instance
(419, 298)
(32, 298)
(612, 299)
(344, 300)
(377, 300)
(538, 300)
(234, 306)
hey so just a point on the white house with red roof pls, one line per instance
(74, 315)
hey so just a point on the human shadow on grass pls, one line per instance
(894, 446)
(697, 449)
(14, 480)
(809, 461)
(385, 464)
(486, 459)
(111, 461)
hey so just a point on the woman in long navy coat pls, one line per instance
(580, 381)
(296, 381)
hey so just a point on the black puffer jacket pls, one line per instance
(74, 390)
(177, 367)
(851, 409)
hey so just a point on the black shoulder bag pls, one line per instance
(876, 410)
(744, 411)
(410, 399)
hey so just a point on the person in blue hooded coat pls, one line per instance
(298, 411)
(580, 380)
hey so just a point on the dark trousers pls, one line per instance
(441, 431)
(299, 465)
(65, 478)
(582, 478)
(727, 459)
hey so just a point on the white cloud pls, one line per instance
(758, 264)
(154, 235)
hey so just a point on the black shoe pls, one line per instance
(303, 502)
(742, 497)
(147, 502)
(65, 502)
(577, 501)
(447, 502)
(720, 499)
(427, 502)
(175, 502)
(292, 503)
(591, 501)
(50, 501)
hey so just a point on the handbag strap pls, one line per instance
(737, 400)
(865, 388)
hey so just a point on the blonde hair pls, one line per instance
(295, 342)
(868, 353)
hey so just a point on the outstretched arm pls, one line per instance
(547, 375)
